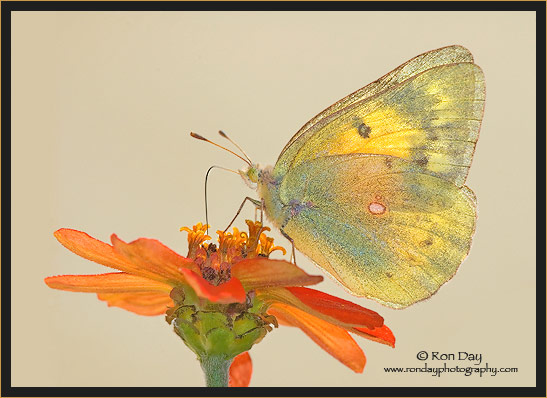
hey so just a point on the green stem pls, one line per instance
(216, 369)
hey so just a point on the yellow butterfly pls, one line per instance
(372, 189)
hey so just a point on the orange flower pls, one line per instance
(222, 298)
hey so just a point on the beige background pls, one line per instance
(102, 107)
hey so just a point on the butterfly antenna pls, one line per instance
(223, 134)
(206, 178)
(199, 137)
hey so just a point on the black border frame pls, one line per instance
(7, 390)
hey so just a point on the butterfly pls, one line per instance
(372, 188)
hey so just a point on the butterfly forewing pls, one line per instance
(419, 64)
(432, 119)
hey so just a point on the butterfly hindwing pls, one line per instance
(379, 224)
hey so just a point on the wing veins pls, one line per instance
(376, 240)
(407, 272)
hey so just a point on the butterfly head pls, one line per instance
(250, 175)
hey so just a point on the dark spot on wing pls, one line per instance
(422, 161)
(432, 136)
(389, 163)
(364, 130)
(427, 242)
(389, 274)
(361, 126)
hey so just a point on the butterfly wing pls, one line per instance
(418, 64)
(372, 189)
(428, 111)
(379, 224)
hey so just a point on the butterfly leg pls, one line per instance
(293, 251)
(261, 212)
(253, 201)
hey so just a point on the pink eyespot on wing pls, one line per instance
(376, 208)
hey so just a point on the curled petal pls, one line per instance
(144, 303)
(225, 293)
(343, 310)
(326, 307)
(333, 339)
(116, 282)
(241, 371)
(154, 257)
(382, 335)
(259, 273)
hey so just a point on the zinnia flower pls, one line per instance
(222, 299)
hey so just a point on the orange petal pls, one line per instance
(343, 310)
(153, 256)
(117, 282)
(226, 293)
(140, 303)
(92, 249)
(241, 371)
(337, 317)
(258, 273)
(382, 335)
(333, 339)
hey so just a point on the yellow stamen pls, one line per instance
(267, 247)
(255, 230)
(232, 246)
(196, 237)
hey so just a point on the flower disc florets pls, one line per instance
(212, 328)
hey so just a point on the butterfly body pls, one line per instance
(372, 189)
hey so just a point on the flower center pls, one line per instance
(214, 261)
